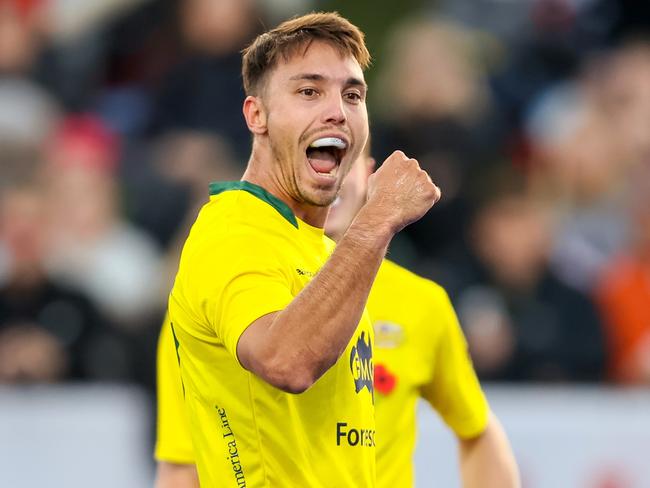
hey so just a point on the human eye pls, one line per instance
(308, 92)
(353, 96)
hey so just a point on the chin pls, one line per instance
(320, 197)
(327, 199)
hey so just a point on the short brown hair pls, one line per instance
(299, 32)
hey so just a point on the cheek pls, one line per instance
(282, 130)
(358, 115)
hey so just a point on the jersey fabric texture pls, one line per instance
(420, 352)
(246, 256)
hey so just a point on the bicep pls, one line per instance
(267, 350)
(253, 287)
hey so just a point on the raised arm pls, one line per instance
(292, 348)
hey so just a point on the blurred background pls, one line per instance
(533, 116)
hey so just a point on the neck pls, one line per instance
(259, 172)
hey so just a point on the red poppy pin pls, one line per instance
(384, 380)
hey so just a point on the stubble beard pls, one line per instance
(290, 175)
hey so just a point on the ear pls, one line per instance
(255, 115)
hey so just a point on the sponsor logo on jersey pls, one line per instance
(232, 451)
(361, 365)
(305, 272)
(354, 437)
(388, 335)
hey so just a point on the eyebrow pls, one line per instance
(352, 81)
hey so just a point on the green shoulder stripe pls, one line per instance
(259, 192)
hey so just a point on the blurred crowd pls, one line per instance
(532, 116)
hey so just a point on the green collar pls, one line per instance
(259, 192)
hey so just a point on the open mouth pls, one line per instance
(325, 155)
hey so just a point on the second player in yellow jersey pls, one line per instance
(420, 351)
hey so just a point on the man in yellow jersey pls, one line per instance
(268, 319)
(419, 352)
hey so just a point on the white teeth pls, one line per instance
(329, 141)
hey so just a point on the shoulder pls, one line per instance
(239, 218)
(396, 279)
(419, 304)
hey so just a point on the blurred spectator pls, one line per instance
(619, 82)
(577, 166)
(18, 162)
(375, 18)
(176, 68)
(175, 170)
(22, 26)
(586, 138)
(195, 159)
(27, 113)
(47, 332)
(204, 92)
(436, 107)
(192, 160)
(547, 41)
(142, 47)
(521, 322)
(92, 247)
(36, 46)
(624, 288)
(624, 295)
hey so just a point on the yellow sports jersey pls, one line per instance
(246, 256)
(420, 351)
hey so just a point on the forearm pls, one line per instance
(292, 348)
(487, 461)
(311, 333)
(172, 475)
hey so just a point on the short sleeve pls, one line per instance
(229, 281)
(255, 285)
(454, 390)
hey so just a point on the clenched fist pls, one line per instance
(400, 192)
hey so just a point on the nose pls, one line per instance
(334, 112)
